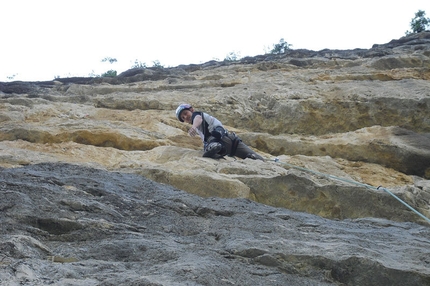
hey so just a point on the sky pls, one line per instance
(46, 39)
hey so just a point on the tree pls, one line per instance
(138, 64)
(11, 77)
(109, 73)
(281, 47)
(232, 56)
(109, 59)
(419, 23)
(157, 64)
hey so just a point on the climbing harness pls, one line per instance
(351, 182)
(213, 146)
(234, 143)
(212, 149)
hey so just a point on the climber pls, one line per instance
(217, 141)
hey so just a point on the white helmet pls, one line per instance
(180, 109)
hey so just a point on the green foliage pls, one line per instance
(138, 64)
(11, 77)
(232, 56)
(109, 59)
(419, 23)
(157, 64)
(280, 48)
(109, 73)
(93, 74)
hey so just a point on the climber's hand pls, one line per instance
(192, 131)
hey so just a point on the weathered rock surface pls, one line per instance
(78, 155)
(71, 225)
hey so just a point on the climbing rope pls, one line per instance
(351, 182)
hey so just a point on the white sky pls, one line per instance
(44, 39)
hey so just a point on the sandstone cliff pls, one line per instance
(76, 154)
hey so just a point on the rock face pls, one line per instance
(103, 186)
(72, 225)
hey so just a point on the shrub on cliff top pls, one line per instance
(419, 23)
(280, 47)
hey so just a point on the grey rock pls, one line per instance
(64, 224)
